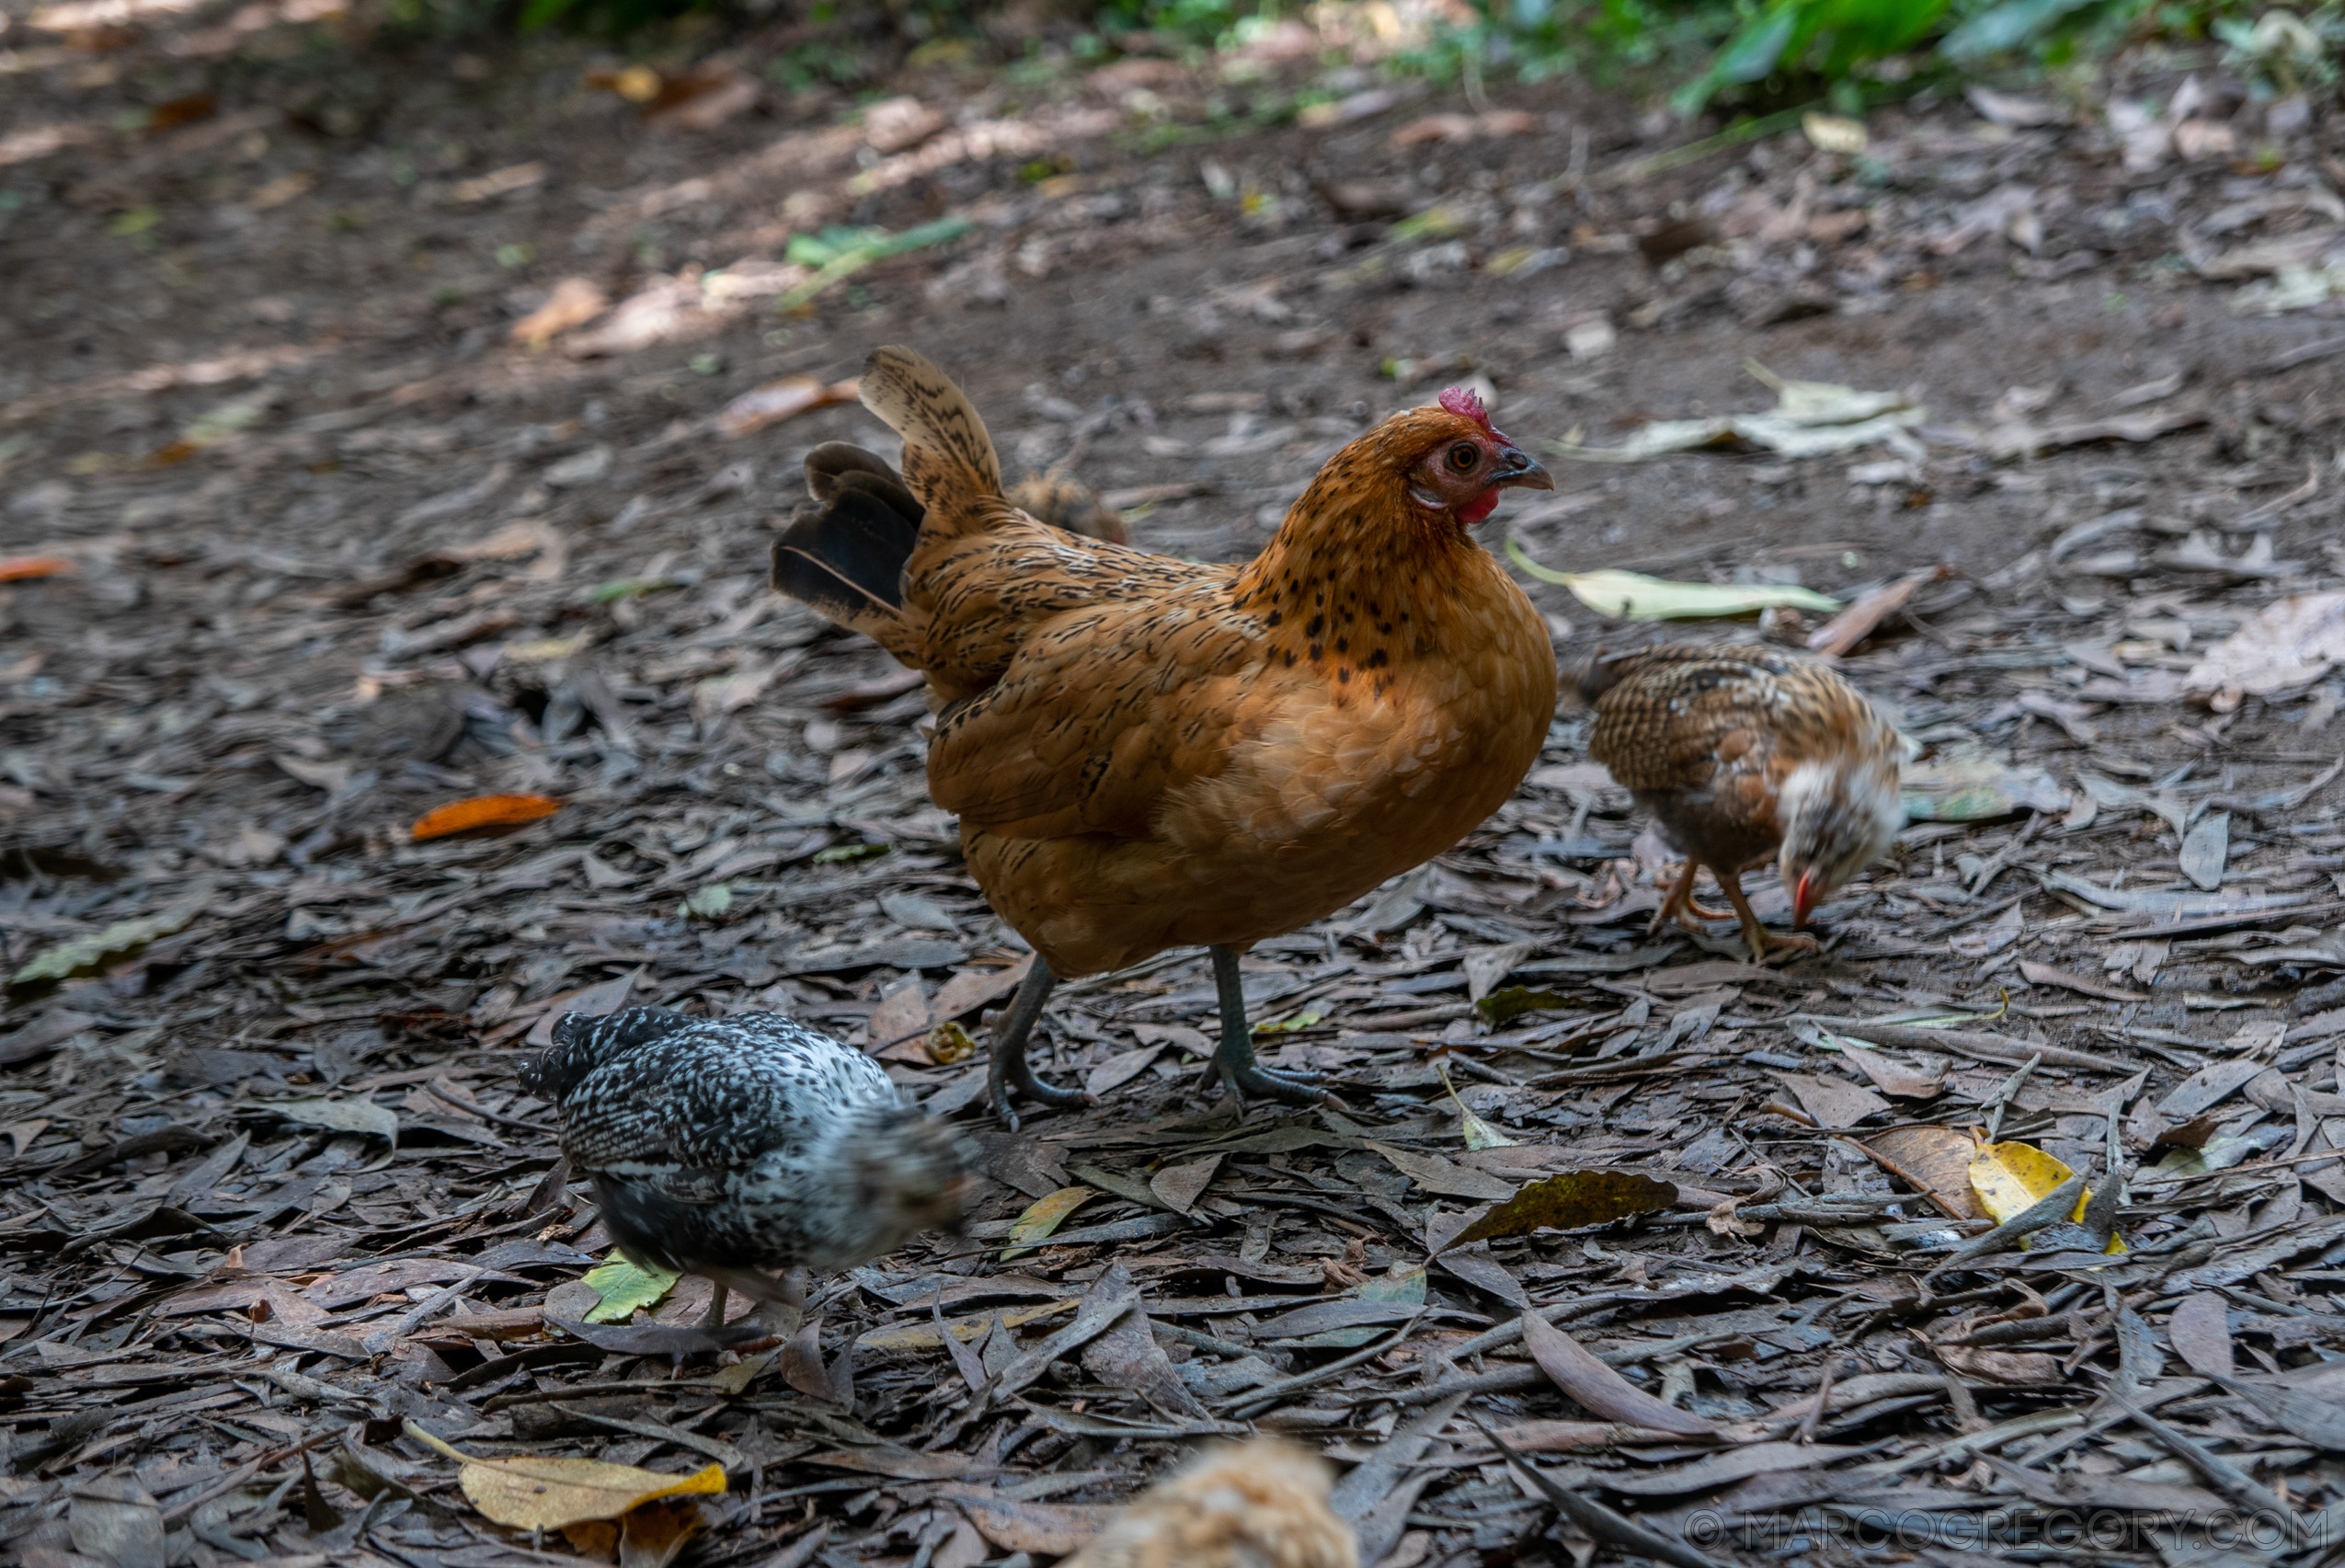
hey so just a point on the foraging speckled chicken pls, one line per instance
(1146, 753)
(1259, 1505)
(723, 1147)
(1743, 754)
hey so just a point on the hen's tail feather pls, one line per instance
(948, 456)
(829, 465)
(845, 552)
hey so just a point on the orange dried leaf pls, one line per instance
(21, 568)
(482, 811)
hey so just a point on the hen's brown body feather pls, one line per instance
(1708, 738)
(1146, 753)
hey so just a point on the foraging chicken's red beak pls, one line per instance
(1803, 899)
(1517, 471)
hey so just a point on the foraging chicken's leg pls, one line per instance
(1235, 1058)
(1008, 1069)
(1680, 903)
(1760, 939)
(788, 1292)
(714, 1317)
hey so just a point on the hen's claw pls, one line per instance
(1250, 1077)
(1008, 1068)
(1234, 1061)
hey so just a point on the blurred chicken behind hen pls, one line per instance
(1148, 752)
(1743, 754)
(1262, 1503)
(724, 1147)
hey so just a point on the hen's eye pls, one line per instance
(1462, 457)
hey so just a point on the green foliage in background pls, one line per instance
(1778, 50)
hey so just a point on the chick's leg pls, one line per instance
(1679, 903)
(1762, 941)
(1008, 1070)
(1235, 1058)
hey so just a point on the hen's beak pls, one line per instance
(1803, 898)
(1516, 471)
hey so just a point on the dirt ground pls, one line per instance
(372, 437)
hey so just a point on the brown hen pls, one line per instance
(1744, 754)
(1148, 752)
(1261, 1505)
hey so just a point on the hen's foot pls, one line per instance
(1765, 944)
(1008, 1069)
(1234, 1061)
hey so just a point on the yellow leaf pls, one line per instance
(1043, 1217)
(2011, 1178)
(2008, 1177)
(949, 1042)
(530, 1492)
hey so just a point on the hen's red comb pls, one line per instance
(1465, 403)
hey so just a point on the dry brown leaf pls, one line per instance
(1833, 1101)
(1597, 1388)
(2200, 1331)
(573, 304)
(2045, 974)
(778, 400)
(1891, 1076)
(1934, 1161)
(1566, 1202)
(24, 569)
(2031, 1367)
(1181, 1186)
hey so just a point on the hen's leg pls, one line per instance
(1235, 1059)
(1680, 903)
(1760, 939)
(1008, 1067)
(716, 1316)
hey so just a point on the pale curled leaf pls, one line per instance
(1633, 596)
(1596, 1387)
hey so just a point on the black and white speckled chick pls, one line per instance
(726, 1146)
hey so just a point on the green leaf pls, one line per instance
(1633, 596)
(1505, 1005)
(626, 1287)
(1567, 1202)
(101, 949)
(2003, 27)
(713, 902)
(840, 854)
(1302, 1019)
